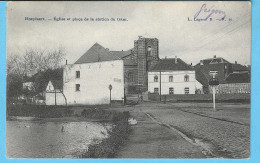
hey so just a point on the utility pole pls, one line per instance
(160, 85)
(55, 96)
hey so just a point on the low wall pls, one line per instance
(201, 97)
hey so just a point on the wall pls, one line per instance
(202, 98)
(94, 81)
(50, 98)
(178, 82)
(232, 88)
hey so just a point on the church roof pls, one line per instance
(121, 54)
(96, 53)
(170, 65)
(242, 77)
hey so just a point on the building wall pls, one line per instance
(94, 81)
(178, 83)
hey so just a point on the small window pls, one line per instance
(156, 90)
(77, 87)
(171, 91)
(186, 78)
(156, 78)
(186, 90)
(170, 78)
(77, 74)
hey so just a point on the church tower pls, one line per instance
(147, 52)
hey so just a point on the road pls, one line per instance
(188, 130)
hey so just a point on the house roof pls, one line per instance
(169, 64)
(121, 54)
(96, 53)
(242, 77)
(213, 61)
(239, 67)
(57, 84)
(202, 77)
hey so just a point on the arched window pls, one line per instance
(186, 78)
(130, 77)
(149, 49)
(155, 78)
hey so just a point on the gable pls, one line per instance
(97, 53)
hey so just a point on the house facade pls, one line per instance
(54, 94)
(233, 77)
(88, 83)
(173, 76)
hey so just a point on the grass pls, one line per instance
(117, 137)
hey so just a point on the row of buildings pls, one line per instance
(140, 70)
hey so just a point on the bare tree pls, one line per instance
(35, 60)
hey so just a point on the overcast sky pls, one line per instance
(167, 21)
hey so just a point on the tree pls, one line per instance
(35, 60)
(41, 64)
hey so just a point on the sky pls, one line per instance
(167, 21)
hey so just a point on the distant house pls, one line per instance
(54, 94)
(29, 85)
(174, 76)
(233, 77)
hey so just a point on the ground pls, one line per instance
(188, 130)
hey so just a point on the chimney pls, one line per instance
(176, 60)
(214, 56)
(107, 49)
(235, 62)
(140, 37)
(191, 63)
(165, 57)
(66, 61)
(201, 62)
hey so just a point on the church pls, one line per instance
(137, 61)
(87, 81)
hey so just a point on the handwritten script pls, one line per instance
(206, 13)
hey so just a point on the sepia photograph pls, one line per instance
(128, 79)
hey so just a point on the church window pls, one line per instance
(149, 49)
(130, 77)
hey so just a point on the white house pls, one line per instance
(53, 93)
(174, 76)
(87, 81)
(88, 84)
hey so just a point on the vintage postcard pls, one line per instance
(128, 79)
